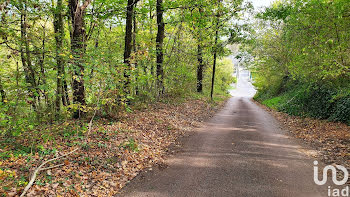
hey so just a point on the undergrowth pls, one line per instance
(309, 100)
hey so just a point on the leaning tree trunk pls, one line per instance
(215, 55)
(78, 51)
(159, 47)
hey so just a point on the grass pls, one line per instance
(274, 102)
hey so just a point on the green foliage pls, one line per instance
(341, 110)
(278, 11)
(33, 62)
(131, 144)
(300, 58)
(223, 77)
(273, 102)
(312, 101)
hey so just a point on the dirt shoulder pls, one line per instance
(330, 139)
(113, 154)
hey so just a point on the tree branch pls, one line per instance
(85, 5)
(32, 179)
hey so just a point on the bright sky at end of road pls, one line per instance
(261, 3)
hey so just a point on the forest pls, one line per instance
(68, 63)
(63, 59)
(93, 92)
(300, 55)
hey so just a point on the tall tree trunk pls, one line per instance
(151, 33)
(159, 47)
(59, 35)
(200, 67)
(78, 51)
(215, 54)
(128, 44)
(41, 58)
(134, 46)
(25, 56)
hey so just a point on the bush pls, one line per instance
(317, 101)
(341, 110)
(273, 102)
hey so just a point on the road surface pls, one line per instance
(242, 151)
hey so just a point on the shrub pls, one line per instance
(317, 101)
(341, 110)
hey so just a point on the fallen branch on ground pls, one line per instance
(51, 167)
(32, 179)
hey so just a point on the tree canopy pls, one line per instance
(65, 58)
(300, 53)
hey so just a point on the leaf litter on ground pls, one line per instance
(113, 154)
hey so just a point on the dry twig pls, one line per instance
(40, 168)
(32, 179)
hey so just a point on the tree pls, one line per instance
(78, 47)
(134, 46)
(166, 47)
(200, 54)
(26, 55)
(159, 47)
(215, 50)
(128, 42)
(59, 36)
(300, 58)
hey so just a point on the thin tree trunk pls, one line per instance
(135, 49)
(59, 34)
(42, 69)
(2, 92)
(17, 85)
(30, 67)
(128, 45)
(215, 55)
(159, 47)
(200, 55)
(200, 67)
(151, 33)
(25, 56)
(97, 41)
(65, 95)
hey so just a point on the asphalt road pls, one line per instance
(242, 151)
